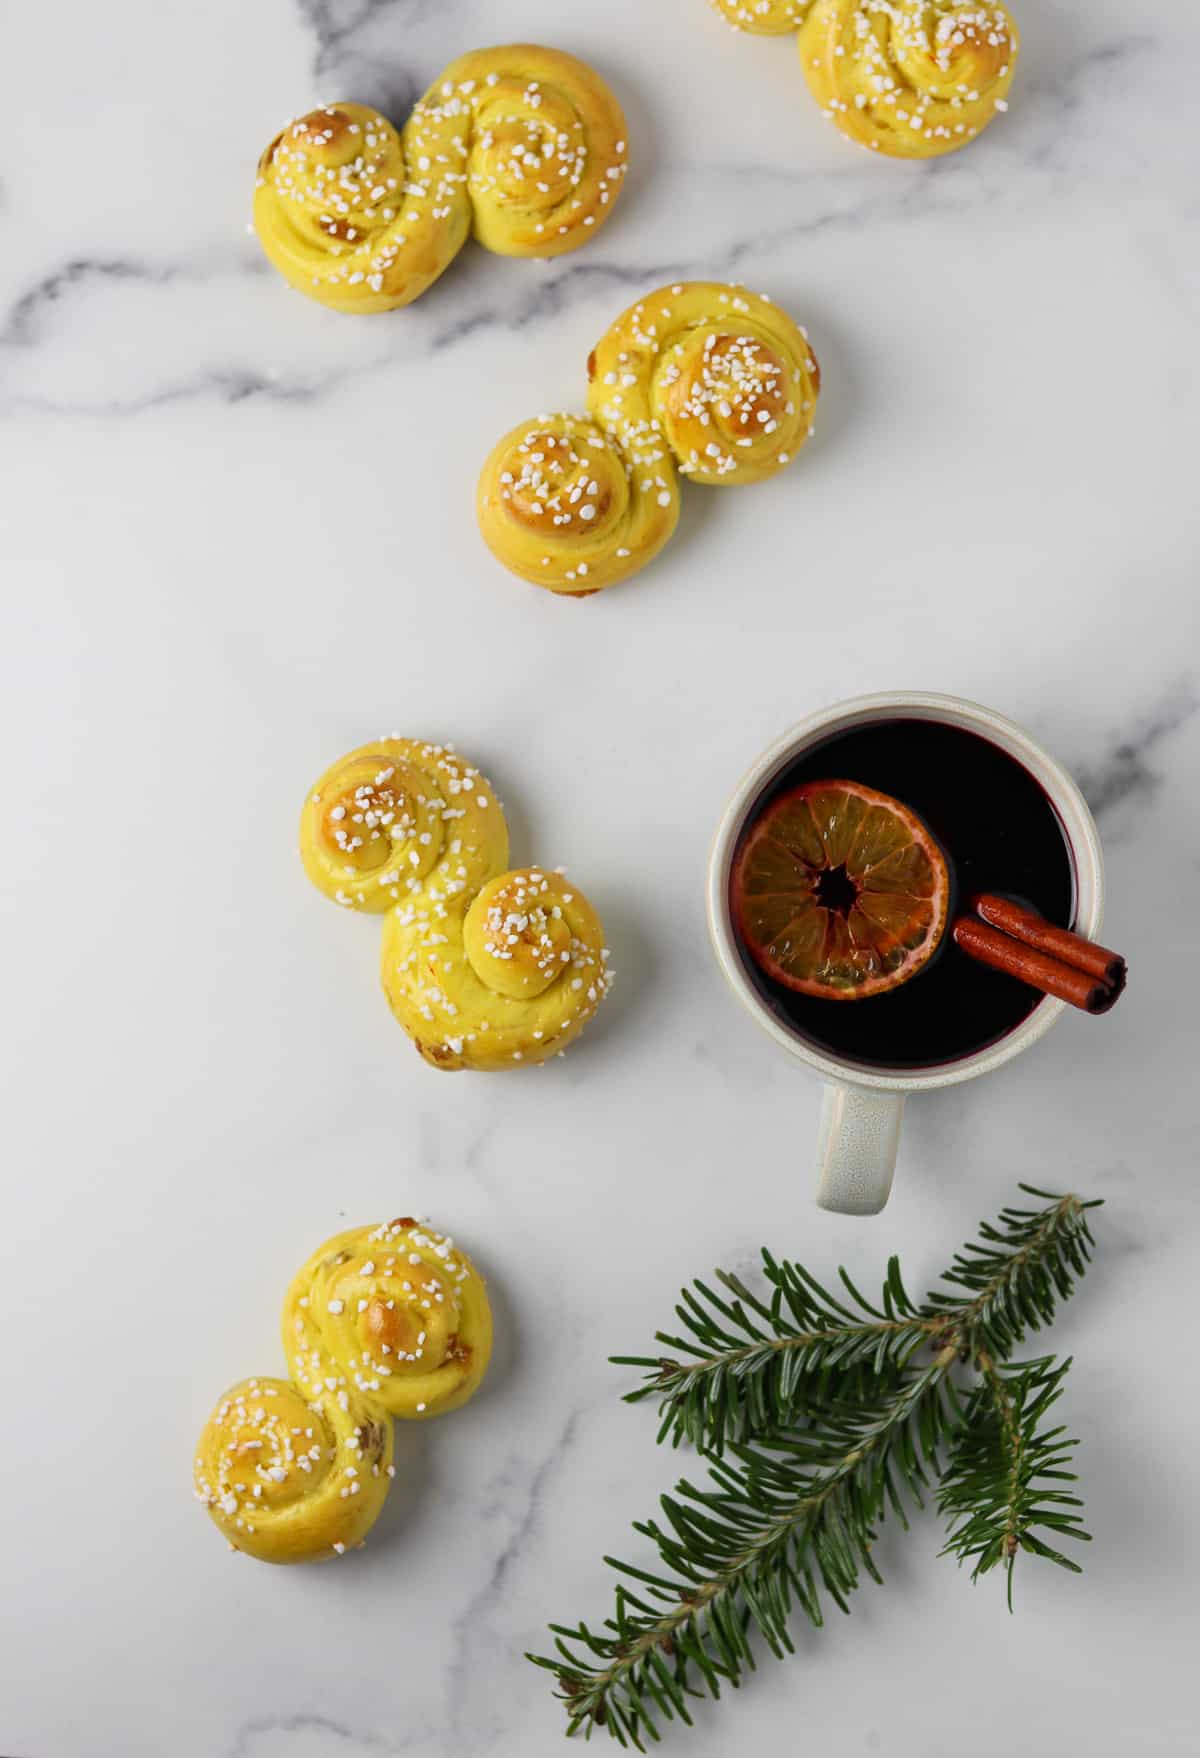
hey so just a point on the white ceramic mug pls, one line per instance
(863, 1107)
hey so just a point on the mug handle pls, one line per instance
(856, 1148)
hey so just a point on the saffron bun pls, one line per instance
(484, 967)
(381, 1324)
(908, 78)
(524, 147)
(699, 379)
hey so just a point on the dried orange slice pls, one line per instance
(840, 891)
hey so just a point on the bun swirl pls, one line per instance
(510, 979)
(397, 817)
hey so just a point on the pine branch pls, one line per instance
(1030, 1260)
(761, 1364)
(758, 1364)
(778, 1525)
(999, 1485)
(816, 1418)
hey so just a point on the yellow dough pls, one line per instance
(524, 146)
(484, 968)
(698, 379)
(512, 979)
(768, 18)
(381, 1323)
(909, 78)
(400, 817)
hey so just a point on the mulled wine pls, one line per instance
(999, 832)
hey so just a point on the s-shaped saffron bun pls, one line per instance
(698, 379)
(524, 146)
(909, 78)
(382, 1322)
(484, 968)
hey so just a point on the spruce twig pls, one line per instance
(817, 1414)
(999, 1483)
(758, 1363)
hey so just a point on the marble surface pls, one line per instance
(237, 539)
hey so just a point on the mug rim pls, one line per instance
(1079, 828)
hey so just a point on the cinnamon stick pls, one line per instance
(1028, 965)
(1034, 930)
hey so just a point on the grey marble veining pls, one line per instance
(238, 538)
(1133, 770)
